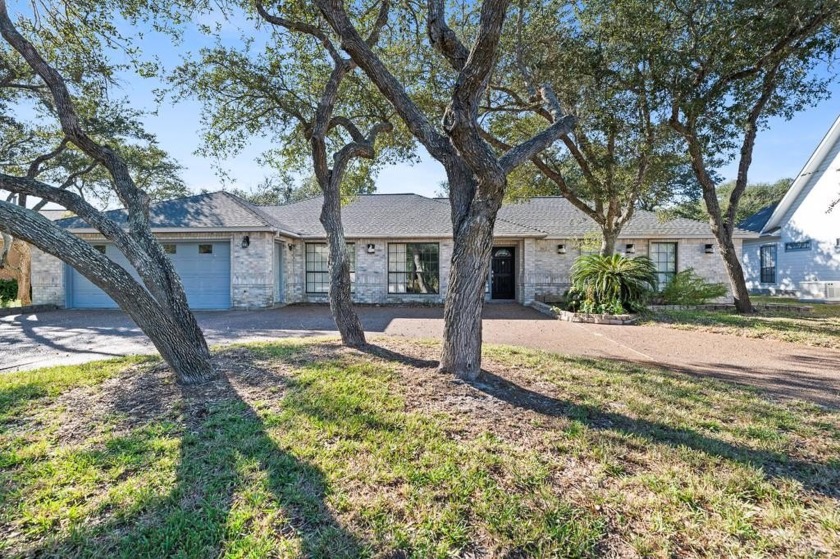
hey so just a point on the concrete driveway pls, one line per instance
(778, 368)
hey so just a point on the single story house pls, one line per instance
(797, 247)
(232, 254)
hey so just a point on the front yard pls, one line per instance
(818, 328)
(308, 449)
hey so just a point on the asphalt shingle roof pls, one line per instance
(215, 210)
(394, 216)
(384, 215)
(558, 218)
(759, 219)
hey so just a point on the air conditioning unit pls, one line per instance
(828, 291)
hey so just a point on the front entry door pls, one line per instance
(503, 278)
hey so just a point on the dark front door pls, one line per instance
(503, 280)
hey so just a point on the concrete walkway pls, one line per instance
(781, 369)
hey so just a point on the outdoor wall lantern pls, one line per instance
(246, 241)
(291, 246)
(561, 249)
(371, 248)
(710, 249)
(630, 248)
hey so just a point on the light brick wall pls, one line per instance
(550, 272)
(252, 272)
(252, 269)
(47, 279)
(541, 271)
(371, 274)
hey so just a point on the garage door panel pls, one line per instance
(204, 269)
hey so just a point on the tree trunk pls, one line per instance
(186, 354)
(609, 237)
(178, 339)
(24, 293)
(729, 254)
(473, 243)
(341, 301)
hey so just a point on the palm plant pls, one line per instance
(612, 284)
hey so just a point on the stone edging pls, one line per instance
(27, 310)
(618, 319)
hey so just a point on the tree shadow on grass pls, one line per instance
(235, 491)
(822, 478)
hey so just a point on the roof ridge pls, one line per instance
(264, 217)
(510, 221)
(538, 230)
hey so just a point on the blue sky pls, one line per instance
(780, 151)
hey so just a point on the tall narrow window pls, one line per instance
(768, 264)
(414, 268)
(664, 256)
(318, 266)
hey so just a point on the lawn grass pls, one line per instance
(305, 449)
(818, 328)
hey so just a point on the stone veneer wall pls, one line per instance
(252, 271)
(541, 271)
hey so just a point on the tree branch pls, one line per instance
(442, 38)
(529, 148)
(299, 27)
(388, 85)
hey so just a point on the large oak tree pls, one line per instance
(721, 70)
(294, 86)
(452, 133)
(158, 303)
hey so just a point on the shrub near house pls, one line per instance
(612, 284)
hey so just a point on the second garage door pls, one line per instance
(204, 269)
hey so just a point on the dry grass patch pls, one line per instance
(310, 449)
(818, 328)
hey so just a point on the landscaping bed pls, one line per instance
(581, 317)
(310, 449)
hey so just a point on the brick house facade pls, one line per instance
(401, 246)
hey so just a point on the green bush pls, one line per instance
(8, 290)
(687, 288)
(611, 284)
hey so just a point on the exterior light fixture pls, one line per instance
(561, 249)
(291, 246)
(710, 248)
(246, 241)
(371, 248)
(630, 248)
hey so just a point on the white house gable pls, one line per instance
(805, 234)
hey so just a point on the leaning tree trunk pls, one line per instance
(729, 254)
(341, 302)
(473, 243)
(183, 347)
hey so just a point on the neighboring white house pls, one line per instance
(798, 248)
